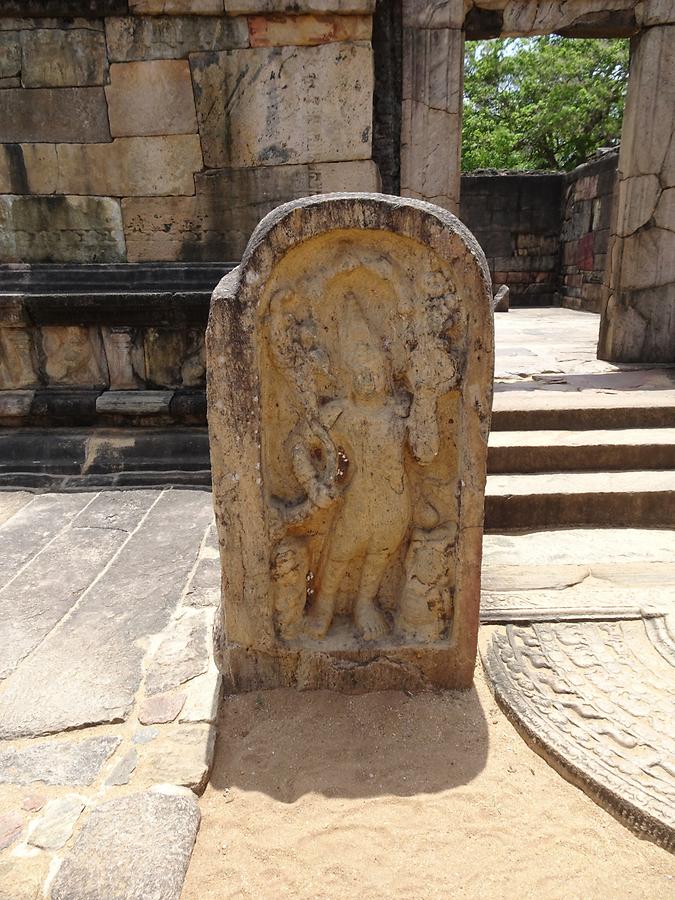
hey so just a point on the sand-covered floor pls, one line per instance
(319, 795)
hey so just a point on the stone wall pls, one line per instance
(167, 132)
(516, 219)
(587, 217)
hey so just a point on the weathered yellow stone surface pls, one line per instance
(63, 58)
(53, 114)
(18, 368)
(67, 228)
(131, 38)
(176, 7)
(127, 167)
(219, 220)
(74, 356)
(350, 366)
(236, 7)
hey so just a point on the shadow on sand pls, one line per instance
(287, 744)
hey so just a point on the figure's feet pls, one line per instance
(317, 624)
(370, 621)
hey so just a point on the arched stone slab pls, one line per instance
(350, 361)
(596, 700)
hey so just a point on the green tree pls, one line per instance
(541, 103)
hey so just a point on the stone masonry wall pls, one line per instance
(165, 129)
(589, 202)
(516, 219)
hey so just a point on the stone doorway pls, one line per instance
(638, 310)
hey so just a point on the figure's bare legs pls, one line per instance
(368, 618)
(321, 614)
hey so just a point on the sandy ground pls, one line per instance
(319, 795)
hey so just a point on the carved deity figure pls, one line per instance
(351, 456)
(372, 510)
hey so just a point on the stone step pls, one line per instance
(587, 410)
(558, 499)
(61, 458)
(555, 451)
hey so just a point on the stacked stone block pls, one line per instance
(516, 219)
(587, 216)
(431, 109)
(164, 129)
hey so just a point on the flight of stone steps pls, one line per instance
(590, 458)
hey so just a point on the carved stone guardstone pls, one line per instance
(349, 370)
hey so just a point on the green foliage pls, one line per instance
(541, 103)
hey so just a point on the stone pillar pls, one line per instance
(638, 319)
(431, 116)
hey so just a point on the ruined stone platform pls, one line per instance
(107, 689)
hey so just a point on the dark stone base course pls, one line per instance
(623, 796)
(43, 481)
(116, 294)
(653, 509)
(73, 407)
(77, 458)
(64, 8)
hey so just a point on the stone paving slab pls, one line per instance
(57, 762)
(549, 342)
(598, 701)
(113, 859)
(140, 631)
(100, 643)
(29, 530)
(54, 826)
(107, 597)
(11, 502)
(68, 565)
(577, 573)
